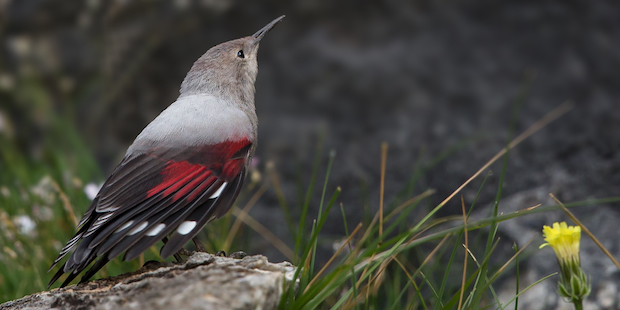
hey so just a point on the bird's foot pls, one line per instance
(178, 258)
(184, 252)
(235, 255)
(152, 264)
(238, 255)
(199, 246)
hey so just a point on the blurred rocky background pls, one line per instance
(425, 76)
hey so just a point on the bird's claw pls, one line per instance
(151, 263)
(238, 255)
(184, 252)
(235, 255)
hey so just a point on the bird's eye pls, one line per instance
(240, 54)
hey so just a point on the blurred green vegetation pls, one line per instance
(44, 166)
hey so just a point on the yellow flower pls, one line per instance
(564, 240)
(573, 283)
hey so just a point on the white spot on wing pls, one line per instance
(124, 226)
(186, 227)
(218, 191)
(138, 228)
(157, 229)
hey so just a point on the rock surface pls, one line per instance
(204, 281)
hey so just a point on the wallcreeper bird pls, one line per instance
(183, 170)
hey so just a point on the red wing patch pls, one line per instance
(223, 160)
(232, 168)
(175, 175)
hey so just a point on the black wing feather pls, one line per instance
(228, 196)
(177, 213)
(125, 196)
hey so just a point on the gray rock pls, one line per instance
(204, 281)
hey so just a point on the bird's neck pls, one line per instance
(238, 91)
(234, 87)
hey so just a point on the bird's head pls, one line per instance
(228, 70)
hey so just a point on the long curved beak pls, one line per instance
(261, 33)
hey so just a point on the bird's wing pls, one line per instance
(166, 191)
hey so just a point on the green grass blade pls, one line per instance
(302, 219)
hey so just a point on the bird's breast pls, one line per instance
(196, 120)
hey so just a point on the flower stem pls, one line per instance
(578, 304)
